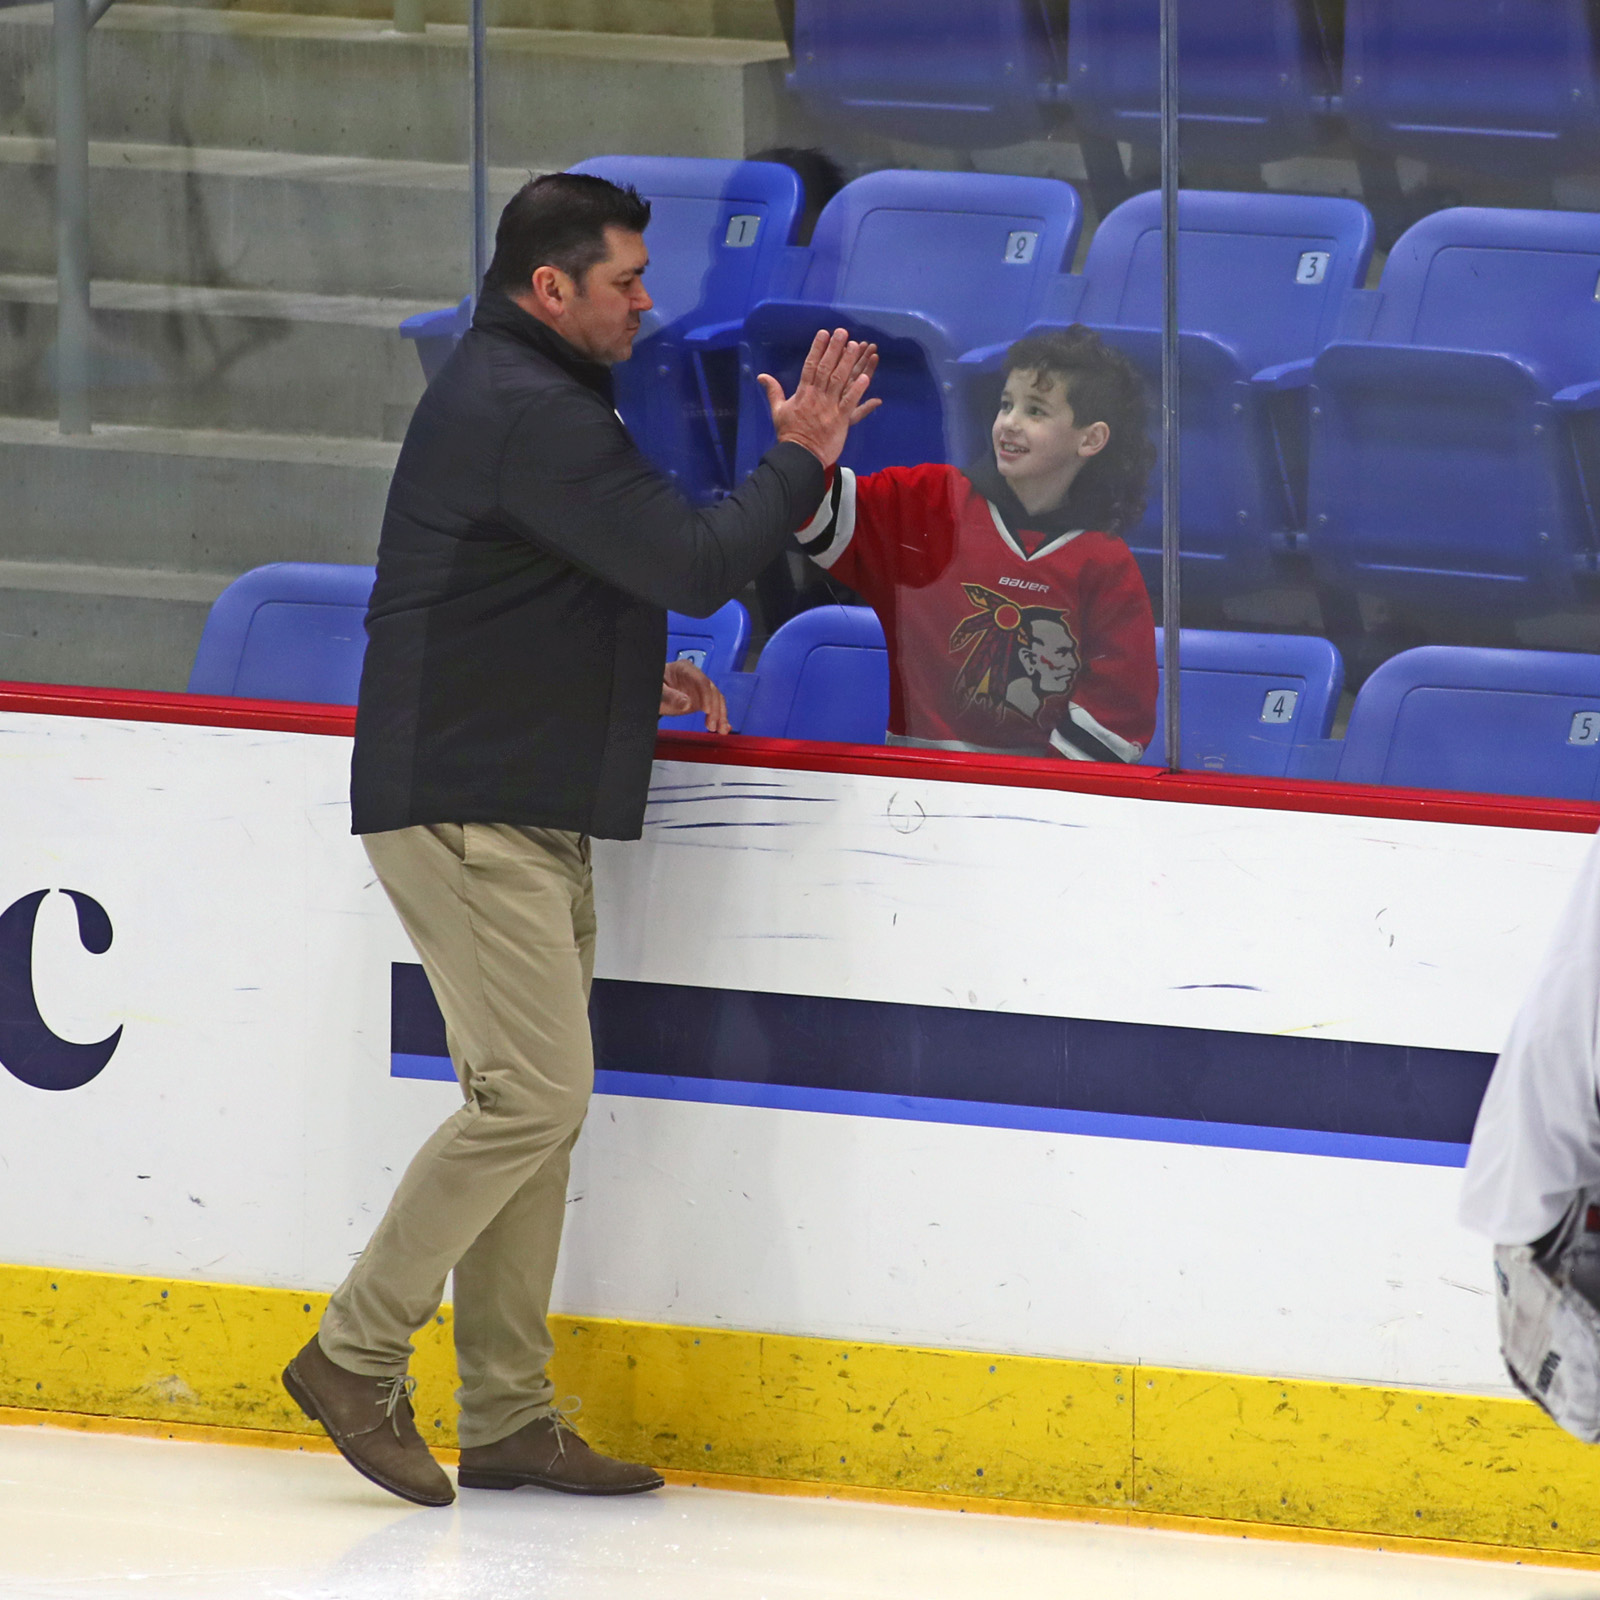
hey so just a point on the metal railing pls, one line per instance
(75, 340)
(74, 331)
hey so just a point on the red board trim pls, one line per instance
(196, 710)
(793, 755)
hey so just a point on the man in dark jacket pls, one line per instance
(513, 678)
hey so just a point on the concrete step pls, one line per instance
(188, 501)
(254, 219)
(116, 544)
(697, 19)
(236, 80)
(251, 359)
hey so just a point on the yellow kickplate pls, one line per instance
(1384, 1461)
(1139, 1444)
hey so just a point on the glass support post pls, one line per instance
(71, 41)
(478, 156)
(1171, 586)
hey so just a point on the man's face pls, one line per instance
(603, 316)
(1050, 656)
(1036, 436)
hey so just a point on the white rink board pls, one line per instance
(248, 1129)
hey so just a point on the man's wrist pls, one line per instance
(808, 444)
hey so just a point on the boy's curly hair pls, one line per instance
(1102, 385)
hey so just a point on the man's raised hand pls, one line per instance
(828, 399)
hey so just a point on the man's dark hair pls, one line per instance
(821, 178)
(1102, 385)
(560, 220)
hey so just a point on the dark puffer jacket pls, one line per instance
(517, 632)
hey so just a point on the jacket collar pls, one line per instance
(497, 313)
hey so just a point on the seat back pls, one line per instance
(437, 333)
(945, 72)
(1440, 475)
(1516, 283)
(1524, 722)
(1263, 279)
(716, 644)
(1501, 85)
(294, 630)
(976, 252)
(1266, 274)
(1250, 702)
(823, 675)
(974, 255)
(719, 232)
(1254, 74)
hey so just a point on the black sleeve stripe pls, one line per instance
(824, 538)
(1084, 743)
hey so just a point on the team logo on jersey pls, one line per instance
(1016, 661)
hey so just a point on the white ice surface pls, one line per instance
(85, 1515)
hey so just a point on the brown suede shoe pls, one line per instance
(549, 1454)
(370, 1420)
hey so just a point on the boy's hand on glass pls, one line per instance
(829, 398)
(684, 687)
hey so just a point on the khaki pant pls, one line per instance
(503, 919)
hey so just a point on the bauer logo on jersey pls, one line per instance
(1016, 661)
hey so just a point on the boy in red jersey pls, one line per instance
(1016, 617)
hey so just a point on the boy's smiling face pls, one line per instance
(1038, 445)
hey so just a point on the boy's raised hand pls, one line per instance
(828, 399)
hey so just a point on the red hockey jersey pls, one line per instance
(991, 647)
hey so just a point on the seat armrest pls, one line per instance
(986, 358)
(1286, 375)
(1577, 397)
(798, 321)
(713, 336)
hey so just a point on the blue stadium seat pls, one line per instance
(717, 645)
(1443, 471)
(1255, 79)
(1259, 703)
(962, 73)
(823, 675)
(928, 264)
(1523, 722)
(1264, 281)
(1504, 86)
(719, 236)
(294, 630)
(436, 334)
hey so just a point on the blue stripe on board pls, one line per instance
(981, 1114)
(1041, 1119)
(1196, 1085)
(413, 1066)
